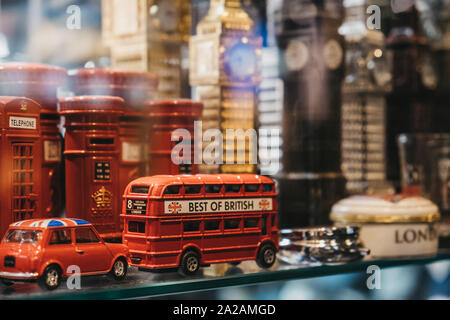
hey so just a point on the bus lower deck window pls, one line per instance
(137, 227)
(251, 223)
(212, 225)
(191, 226)
(231, 224)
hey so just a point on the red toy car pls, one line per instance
(42, 250)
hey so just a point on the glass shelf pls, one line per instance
(140, 284)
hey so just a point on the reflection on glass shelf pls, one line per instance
(145, 284)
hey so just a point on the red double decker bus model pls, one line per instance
(188, 221)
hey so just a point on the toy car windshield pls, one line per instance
(23, 236)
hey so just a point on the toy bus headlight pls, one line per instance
(135, 259)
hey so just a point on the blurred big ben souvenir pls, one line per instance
(225, 67)
(312, 69)
(150, 35)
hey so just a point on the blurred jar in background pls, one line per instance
(425, 170)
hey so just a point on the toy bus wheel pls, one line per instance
(266, 256)
(51, 278)
(119, 269)
(190, 263)
(235, 263)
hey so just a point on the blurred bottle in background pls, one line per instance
(441, 53)
(414, 80)
(270, 106)
(366, 83)
(312, 69)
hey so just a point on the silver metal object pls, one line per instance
(321, 245)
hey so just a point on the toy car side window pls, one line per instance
(60, 237)
(86, 235)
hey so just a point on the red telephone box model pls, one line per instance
(135, 88)
(40, 83)
(165, 117)
(20, 161)
(188, 221)
(92, 161)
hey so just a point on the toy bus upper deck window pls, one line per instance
(267, 187)
(234, 188)
(136, 227)
(213, 188)
(172, 190)
(86, 235)
(251, 187)
(140, 189)
(60, 237)
(192, 189)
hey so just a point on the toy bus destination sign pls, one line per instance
(217, 205)
(136, 206)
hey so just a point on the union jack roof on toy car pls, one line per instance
(49, 223)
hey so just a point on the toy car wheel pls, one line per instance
(51, 278)
(119, 269)
(266, 256)
(190, 263)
